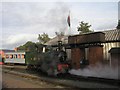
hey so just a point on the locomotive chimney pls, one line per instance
(59, 45)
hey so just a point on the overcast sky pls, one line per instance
(23, 21)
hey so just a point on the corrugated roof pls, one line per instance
(114, 50)
(112, 35)
(7, 50)
(55, 40)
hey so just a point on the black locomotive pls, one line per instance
(52, 62)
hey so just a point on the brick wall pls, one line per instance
(95, 55)
(75, 56)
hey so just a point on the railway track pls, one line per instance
(92, 79)
(68, 76)
(83, 78)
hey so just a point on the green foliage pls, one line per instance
(31, 46)
(43, 38)
(28, 46)
(84, 27)
(118, 26)
(22, 47)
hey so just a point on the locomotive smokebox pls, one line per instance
(59, 45)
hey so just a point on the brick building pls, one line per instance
(93, 48)
(86, 49)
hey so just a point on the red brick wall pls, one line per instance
(75, 56)
(95, 55)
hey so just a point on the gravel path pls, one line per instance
(71, 83)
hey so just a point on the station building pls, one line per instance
(91, 48)
(96, 47)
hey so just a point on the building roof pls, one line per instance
(114, 50)
(112, 35)
(7, 50)
(55, 40)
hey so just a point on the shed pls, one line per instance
(115, 56)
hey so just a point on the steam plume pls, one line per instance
(98, 71)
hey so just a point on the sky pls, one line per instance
(22, 21)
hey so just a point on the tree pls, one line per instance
(59, 34)
(84, 27)
(31, 46)
(118, 26)
(43, 38)
(28, 46)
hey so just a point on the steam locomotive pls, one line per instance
(52, 62)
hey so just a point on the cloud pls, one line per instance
(16, 40)
(106, 26)
(35, 15)
(96, 14)
(29, 19)
(23, 14)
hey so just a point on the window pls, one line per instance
(19, 56)
(15, 55)
(7, 56)
(11, 56)
(23, 56)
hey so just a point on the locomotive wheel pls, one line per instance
(29, 67)
(55, 72)
(52, 72)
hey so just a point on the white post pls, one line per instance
(43, 49)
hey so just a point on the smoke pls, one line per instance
(101, 71)
(57, 17)
(49, 67)
(49, 62)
